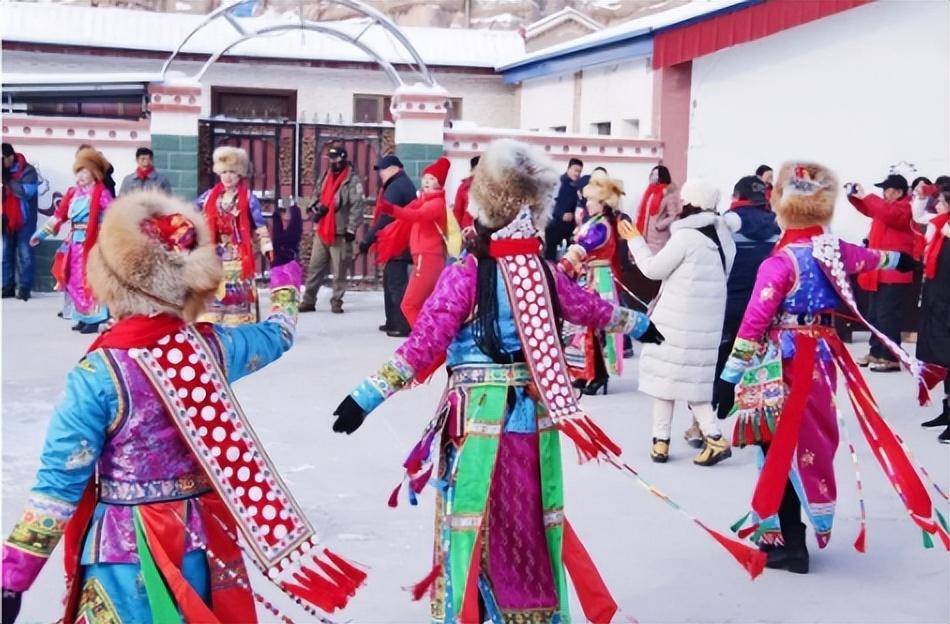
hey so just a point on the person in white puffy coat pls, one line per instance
(693, 267)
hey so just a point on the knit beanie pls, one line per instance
(439, 169)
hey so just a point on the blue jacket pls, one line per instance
(755, 237)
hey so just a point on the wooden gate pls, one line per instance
(288, 160)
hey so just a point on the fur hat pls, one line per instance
(93, 161)
(804, 195)
(699, 194)
(154, 254)
(227, 158)
(512, 174)
(605, 190)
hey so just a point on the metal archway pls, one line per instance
(376, 19)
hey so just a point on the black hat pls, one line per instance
(8, 150)
(335, 152)
(750, 188)
(894, 181)
(390, 160)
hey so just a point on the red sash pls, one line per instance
(331, 186)
(243, 235)
(934, 244)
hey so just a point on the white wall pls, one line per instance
(857, 91)
(616, 93)
(546, 103)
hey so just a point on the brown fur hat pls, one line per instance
(227, 158)
(92, 160)
(605, 190)
(512, 174)
(804, 195)
(134, 270)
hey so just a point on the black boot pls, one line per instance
(8, 292)
(944, 437)
(78, 326)
(942, 419)
(580, 384)
(793, 556)
(23, 294)
(595, 386)
(89, 328)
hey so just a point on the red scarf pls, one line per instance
(934, 244)
(137, 332)
(392, 240)
(143, 174)
(650, 204)
(739, 203)
(12, 209)
(331, 186)
(92, 227)
(798, 235)
(213, 216)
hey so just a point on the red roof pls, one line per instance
(684, 42)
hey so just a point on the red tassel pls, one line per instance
(330, 591)
(351, 571)
(746, 532)
(394, 497)
(752, 559)
(859, 543)
(421, 588)
(604, 439)
(342, 582)
(420, 482)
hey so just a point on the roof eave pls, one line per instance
(616, 52)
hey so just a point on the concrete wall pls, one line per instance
(857, 91)
(608, 93)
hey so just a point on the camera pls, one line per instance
(851, 188)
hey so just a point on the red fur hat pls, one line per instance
(439, 169)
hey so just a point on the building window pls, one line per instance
(371, 108)
(64, 104)
(602, 127)
(246, 103)
(631, 127)
(561, 129)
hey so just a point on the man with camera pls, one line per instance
(888, 289)
(337, 214)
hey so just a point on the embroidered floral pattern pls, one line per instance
(95, 606)
(81, 457)
(766, 293)
(130, 492)
(808, 457)
(41, 526)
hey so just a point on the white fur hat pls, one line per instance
(228, 158)
(700, 194)
(512, 174)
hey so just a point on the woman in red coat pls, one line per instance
(427, 237)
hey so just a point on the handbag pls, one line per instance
(760, 395)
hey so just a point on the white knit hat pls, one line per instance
(700, 194)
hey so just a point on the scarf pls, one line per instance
(143, 174)
(243, 235)
(12, 210)
(392, 240)
(92, 228)
(739, 203)
(650, 204)
(137, 332)
(331, 186)
(798, 235)
(934, 244)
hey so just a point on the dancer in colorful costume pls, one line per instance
(83, 208)
(593, 356)
(786, 355)
(150, 468)
(233, 214)
(494, 318)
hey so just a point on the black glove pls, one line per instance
(349, 416)
(906, 263)
(350, 237)
(11, 605)
(726, 391)
(318, 212)
(364, 247)
(652, 335)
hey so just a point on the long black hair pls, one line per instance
(485, 327)
(662, 174)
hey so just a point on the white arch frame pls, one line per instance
(376, 19)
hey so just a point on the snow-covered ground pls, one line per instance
(660, 566)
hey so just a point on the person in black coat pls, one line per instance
(933, 335)
(399, 190)
(561, 226)
(755, 233)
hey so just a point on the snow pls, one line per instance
(660, 567)
(145, 30)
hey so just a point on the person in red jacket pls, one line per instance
(889, 289)
(427, 237)
(460, 209)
